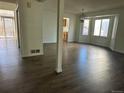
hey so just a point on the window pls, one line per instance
(101, 27)
(85, 29)
(97, 27)
(105, 27)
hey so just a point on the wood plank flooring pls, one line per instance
(86, 69)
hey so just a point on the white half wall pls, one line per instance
(31, 27)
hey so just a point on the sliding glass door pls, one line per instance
(2, 32)
(8, 34)
(7, 28)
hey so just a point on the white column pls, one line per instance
(60, 13)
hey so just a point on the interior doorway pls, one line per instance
(8, 33)
(65, 29)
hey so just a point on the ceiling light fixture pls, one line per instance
(82, 16)
(40, 0)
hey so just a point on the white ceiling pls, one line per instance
(75, 6)
(8, 6)
(11, 1)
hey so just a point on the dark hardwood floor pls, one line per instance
(86, 69)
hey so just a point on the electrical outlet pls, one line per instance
(37, 51)
(33, 51)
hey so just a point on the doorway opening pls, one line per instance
(8, 32)
(66, 29)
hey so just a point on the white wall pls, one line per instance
(31, 27)
(119, 38)
(114, 31)
(103, 41)
(50, 26)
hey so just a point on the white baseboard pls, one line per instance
(119, 51)
(32, 55)
(49, 42)
(115, 50)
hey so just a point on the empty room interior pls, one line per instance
(61, 46)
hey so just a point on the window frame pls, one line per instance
(101, 27)
(94, 28)
(82, 27)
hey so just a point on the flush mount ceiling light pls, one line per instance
(40, 0)
(29, 2)
(82, 16)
